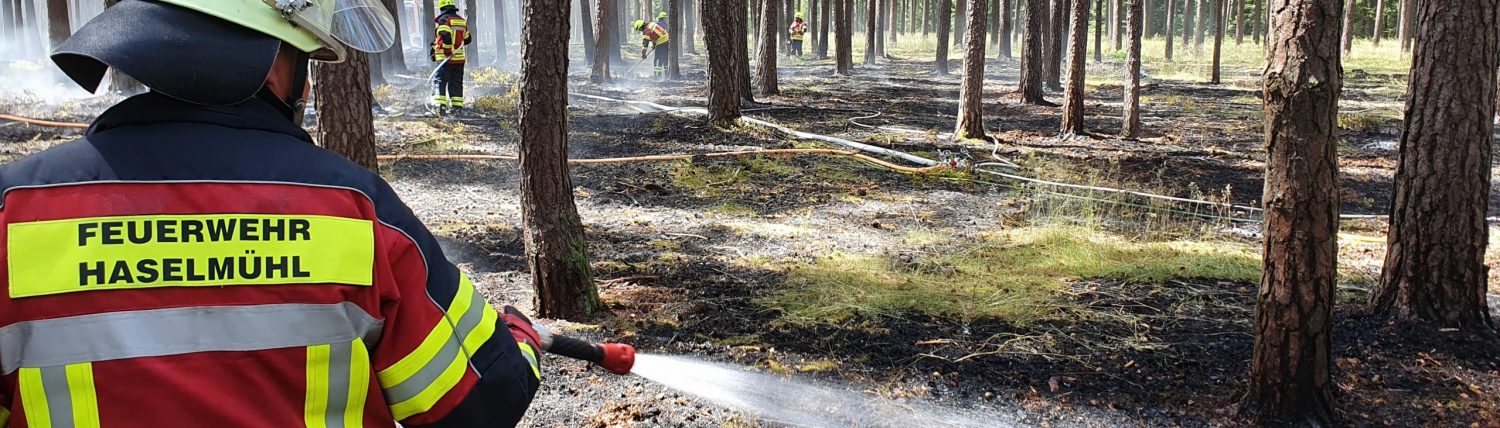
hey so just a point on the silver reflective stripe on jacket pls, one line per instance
(175, 331)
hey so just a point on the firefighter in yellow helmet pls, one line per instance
(654, 38)
(448, 46)
(797, 31)
(195, 260)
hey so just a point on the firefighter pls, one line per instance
(661, 19)
(452, 39)
(797, 31)
(195, 260)
(654, 38)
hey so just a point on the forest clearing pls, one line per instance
(1025, 276)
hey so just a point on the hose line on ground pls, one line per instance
(44, 123)
(662, 158)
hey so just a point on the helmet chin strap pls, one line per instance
(295, 105)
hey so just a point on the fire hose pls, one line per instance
(618, 358)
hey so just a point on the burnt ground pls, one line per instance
(685, 252)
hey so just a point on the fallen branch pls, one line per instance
(667, 158)
(40, 122)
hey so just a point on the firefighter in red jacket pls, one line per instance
(452, 39)
(654, 37)
(196, 261)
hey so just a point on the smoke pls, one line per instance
(25, 71)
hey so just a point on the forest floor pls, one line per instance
(1038, 305)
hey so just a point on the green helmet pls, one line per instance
(230, 44)
(639, 25)
(662, 15)
(441, 4)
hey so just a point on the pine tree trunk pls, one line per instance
(1289, 372)
(1007, 28)
(971, 92)
(813, 39)
(1114, 24)
(471, 11)
(1407, 23)
(58, 26)
(1188, 22)
(429, 20)
(1032, 42)
(1131, 128)
(1099, 30)
(1218, 39)
(585, 25)
(824, 21)
(742, 51)
(1171, 27)
(674, 39)
(1057, 35)
(880, 12)
(604, 20)
(927, 17)
(844, 39)
(345, 124)
(765, 71)
(1202, 27)
(1146, 19)
(1239, 22)
(1434, 265)
(1380, 20)
(556, 249)
(1347, 42)
(1256, 28)
(719, 22)
(501, 45)
(393, 58)
(992, 23)
(690, 20)
(1072, 117)
(942, 34)
(959, 23)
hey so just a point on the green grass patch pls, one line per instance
(1016, 275)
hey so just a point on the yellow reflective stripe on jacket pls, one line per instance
(417, 381)
(530, 355)
(338, 378)
(4, 416)
(60, 396)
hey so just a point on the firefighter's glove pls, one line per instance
(643, 52)
(520, 327)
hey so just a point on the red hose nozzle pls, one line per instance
(618, 357)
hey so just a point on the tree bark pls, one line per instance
(674, 39)
(586, 26)
(993, 23)
(1114, 25)
(1202, 27)
(971, 92)
(1255, 27)
(1239, 22)
(604, 21)
(690, 21)
(959, 27)
(823, 23)
(58, 26)
(927, 17)
(881, 13)
(1131, 128)
(1407, 21)
(1099, 30)
(765, 71)
(345, 124)
(1434, 265)
(1289, 371)
(429, 20)
(870, 32)
(723, 76)
(1171, 27)
(742, 50)
(556, 249)
(942, 34)
(1072, 117)
(1380, 20)
(844, 43)
(1218, 40)
(1032, 42)
(1007, 28)
(471, 12)
(1057, 33)
(1188, 22)
(393, 58)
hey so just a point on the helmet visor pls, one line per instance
(364, 25)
